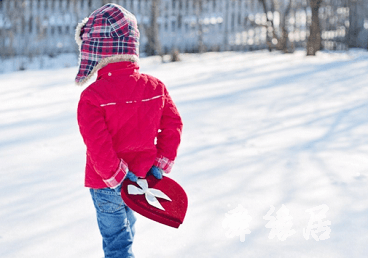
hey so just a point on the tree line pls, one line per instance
(39, 27)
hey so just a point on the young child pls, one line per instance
(128, 121)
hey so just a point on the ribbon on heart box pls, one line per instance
(163, 201)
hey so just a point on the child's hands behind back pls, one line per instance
(156, 172)
(131, 177)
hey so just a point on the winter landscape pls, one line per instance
(261, 130)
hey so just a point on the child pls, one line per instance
(120, 117)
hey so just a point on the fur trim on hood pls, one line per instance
(78, 31)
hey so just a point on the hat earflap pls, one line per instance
(105, 61)
(78, 29)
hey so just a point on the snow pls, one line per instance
(260, 130)
(38, 62)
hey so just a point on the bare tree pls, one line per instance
(199, 10)
(152, 32)
(12, 26)
(356, 22)
(314, 39)
(282, 38)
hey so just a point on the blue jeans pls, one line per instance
(116, 222)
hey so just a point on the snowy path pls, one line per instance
(260, 129)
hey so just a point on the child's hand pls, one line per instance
(156, 172)
(131, 177)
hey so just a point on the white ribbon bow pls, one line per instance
(150, 193)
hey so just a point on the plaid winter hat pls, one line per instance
(110, 34)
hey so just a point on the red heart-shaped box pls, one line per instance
(175, 210)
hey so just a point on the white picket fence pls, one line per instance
(38, 27)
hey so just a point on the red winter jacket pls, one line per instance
(128, 122)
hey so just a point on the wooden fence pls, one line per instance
(39, 27)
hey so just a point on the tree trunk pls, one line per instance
(356, 22)
(270, 25)
(284, 38)
(153, 45)
(199, 9)
(314, 40)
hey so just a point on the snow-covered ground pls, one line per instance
(260, 129)
(19, 63)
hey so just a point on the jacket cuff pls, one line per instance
(164, 163)
(118, 176)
